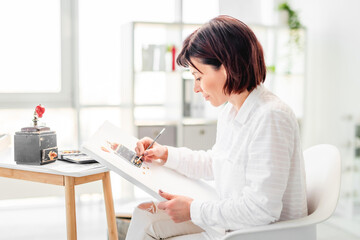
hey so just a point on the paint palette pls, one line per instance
(76, 156)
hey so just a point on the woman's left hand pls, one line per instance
(178, 207)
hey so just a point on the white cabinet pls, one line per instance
(199, 137)
(169, 137)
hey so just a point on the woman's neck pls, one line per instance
(237, 100)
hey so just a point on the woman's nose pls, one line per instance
(197, 87)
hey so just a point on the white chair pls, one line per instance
(323, 171)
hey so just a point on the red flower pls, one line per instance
(39, 110)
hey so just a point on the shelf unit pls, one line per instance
(157, 90)
(161, 96)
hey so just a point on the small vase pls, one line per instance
(283, 17)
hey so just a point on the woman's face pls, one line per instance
(209, 82)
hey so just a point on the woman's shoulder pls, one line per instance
(270, 104)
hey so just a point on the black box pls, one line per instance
(35, 147)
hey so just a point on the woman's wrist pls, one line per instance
(164, 157)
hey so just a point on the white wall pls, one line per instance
(333, 62)
(333, 84)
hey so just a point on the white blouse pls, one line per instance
(256, 163)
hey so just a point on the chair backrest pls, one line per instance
(323, 172)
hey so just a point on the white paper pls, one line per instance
(149, 177)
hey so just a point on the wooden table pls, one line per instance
(58, 173)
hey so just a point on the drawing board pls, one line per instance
(114, 148)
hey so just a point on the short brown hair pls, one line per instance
(227, 41)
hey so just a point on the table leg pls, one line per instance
(109, 205)
(70, 208)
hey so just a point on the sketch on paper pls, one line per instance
(123, 152)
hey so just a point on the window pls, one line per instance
(35, 66)
(30, 59)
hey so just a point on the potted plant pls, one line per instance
(294, 24)
(293, 19)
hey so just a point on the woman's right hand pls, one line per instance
(157, 151)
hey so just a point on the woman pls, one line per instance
(256, 162)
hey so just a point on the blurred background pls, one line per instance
(88, 61)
